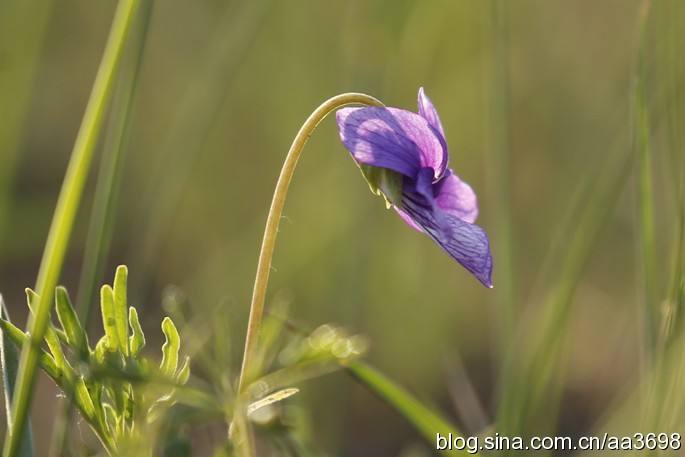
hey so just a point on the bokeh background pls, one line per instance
(533, 95)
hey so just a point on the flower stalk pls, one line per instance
(273, 219)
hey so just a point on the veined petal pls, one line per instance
(430, 114)
(464, 242)
(455, 197)
(392, 138)
(407, 218)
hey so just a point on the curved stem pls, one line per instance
(274, 218)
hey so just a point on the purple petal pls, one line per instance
(464, 242)
(455, 197)
(392, 138)
(408, 219)
(430, 114)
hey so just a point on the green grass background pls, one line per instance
(547, 104)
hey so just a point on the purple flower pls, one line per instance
(404, 157)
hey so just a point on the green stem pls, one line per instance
(65, 212)
(644, 189)
(274, 218)
(500, 165)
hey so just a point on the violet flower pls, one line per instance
(404, 157)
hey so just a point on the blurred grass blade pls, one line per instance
(9, 357)
(22, 29)
(104, 201)
(644, 199)
(115, 145)
(426, 421)
(170, 348)
(195, 111)
(529, 388)
(500, 170)
(65, 213)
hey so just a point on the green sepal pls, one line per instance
(120, 308)
(137, 339)
(384, 182)
(170, 348)
(76, 336)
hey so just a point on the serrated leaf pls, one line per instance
(170, 348)
(120, 305)
(9, 358)
(19, 338)
(50, 335)
(137, 339)
(184, 372)
(110, 417)
(101, 350)
(109, 319)
(73, 330)
(83, 400)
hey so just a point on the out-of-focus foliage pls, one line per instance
(223, 88)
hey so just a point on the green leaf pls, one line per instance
(51, 338)
(271, 399)
(101, 350)
(75, 334)
(83, 400)
(184, 372)
(137, 339)
(19, 338)
(427, 421)
(9, 358)
(109, 318)
(170, 347)
(120, 311)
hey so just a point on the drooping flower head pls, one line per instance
(403, 156)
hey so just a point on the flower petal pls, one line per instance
(464, 242)
(429, 113)
(392, 138)
(456, 197)
(407, 218)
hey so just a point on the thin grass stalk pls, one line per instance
(106, 193)
(500, 167)
(65, 212)
(196, 110)
(22, 27)
(533, 363)
(9, 360)
(645, 197)
(427, 421)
